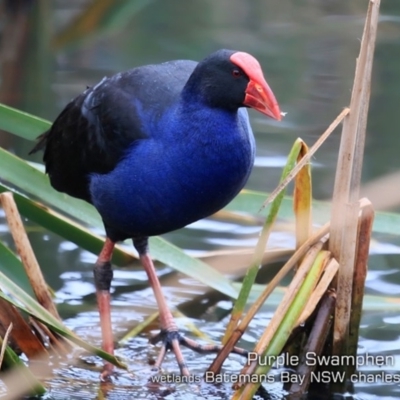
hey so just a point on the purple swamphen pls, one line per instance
(154, 149)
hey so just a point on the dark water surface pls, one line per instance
(308, 51)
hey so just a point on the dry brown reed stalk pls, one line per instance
(345, 206)
(26, 253)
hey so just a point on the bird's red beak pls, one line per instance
(260, 97)
(258, 93)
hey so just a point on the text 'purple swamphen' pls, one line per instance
(154, 149)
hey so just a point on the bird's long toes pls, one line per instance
(170, 341)
(160, 358)
(179, 356)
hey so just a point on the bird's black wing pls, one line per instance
(95, 129)
(88, 136)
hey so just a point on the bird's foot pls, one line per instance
(173, 340)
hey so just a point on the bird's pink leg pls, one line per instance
(103, 275)
(167, 321)
(169, 336)
(166, 318)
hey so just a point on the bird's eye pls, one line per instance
(236, 73)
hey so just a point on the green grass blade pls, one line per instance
(21, 124)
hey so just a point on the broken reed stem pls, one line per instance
(360, 274)
(306, 158)
(240, 329)
(314, 345)
(26, 253)
(345, 280)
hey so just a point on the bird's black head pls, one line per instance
(230, 79)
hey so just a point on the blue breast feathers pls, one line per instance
(193, 163)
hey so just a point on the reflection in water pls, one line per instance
(308, 52)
